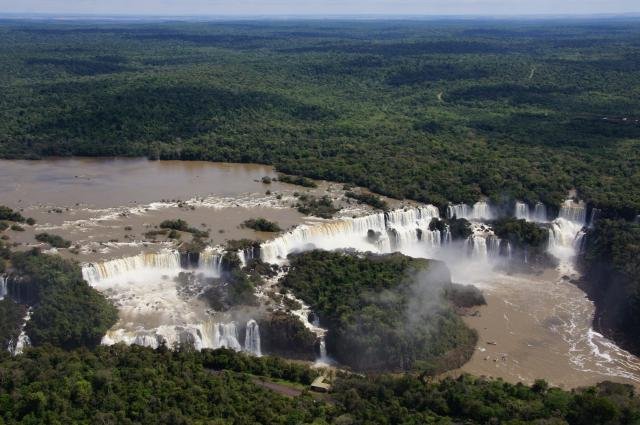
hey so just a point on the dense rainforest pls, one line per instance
(138, 385)
(66, 378)
(65, 310)
(384, 312)
(433, 110)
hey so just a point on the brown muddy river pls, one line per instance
(111, 182)
(533, 326)
(106, 205)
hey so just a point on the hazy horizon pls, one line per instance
(317, 8)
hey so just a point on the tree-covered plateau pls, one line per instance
(435, 111)
(384, 312)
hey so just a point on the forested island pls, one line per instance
(385, 313)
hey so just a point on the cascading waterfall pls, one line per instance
(566, 232)
(324, 358)
(226, 335)
(246, 255)
(458, 211)
(17, 347)
(399, 230)
(536, 214)
(521, 211)
(573, 211)
(3, 286)
(539, 213)
(95, 272)
(481, 210)
(483, 243)
(206, 335)
(394, 231)
(477, 246)
(252, 338)
(211, 260)
(447, 238)
(380, 232)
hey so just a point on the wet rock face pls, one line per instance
(285, 335)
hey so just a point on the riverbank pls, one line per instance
(541, 327)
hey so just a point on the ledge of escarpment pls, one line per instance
(610, 263)
(283, 334)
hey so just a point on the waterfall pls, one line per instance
(380, 232)
(493, 245)
(211, 260)
(96, 272)
(458, 211)
(17, 347)
(521, 211)
(252, 338)
(204, 335)
(3, 286)
(396, 231)
(324, 358)
(434, 238)
(226, 335)
(481, 210)
(536, 214)
(566, 232)
(246, 255)
(477, 246)
(540, 213)
(447, 238)
(574, 211)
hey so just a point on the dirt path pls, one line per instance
(533, 71)
(439, 96)
(279, 388)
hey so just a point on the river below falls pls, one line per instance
(534, 326)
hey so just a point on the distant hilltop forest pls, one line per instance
(436, 111)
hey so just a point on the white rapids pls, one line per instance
(143, 286)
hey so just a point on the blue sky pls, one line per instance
(320, 7)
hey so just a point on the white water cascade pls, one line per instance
(536, 214)
(324, 358)
(574, 211)
(380, 232)
(566, 232)
(539, 213)
(166, 260)
(4, 286)
(225, 335)
(483, 243)
(210, 260)
(405, 230)
(252, 338)
(481, 210)
(17, 347)
(204, 335)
